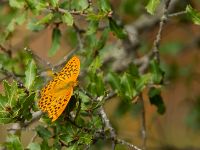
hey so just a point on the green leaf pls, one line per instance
(156, 99)
(92, 27)
(16, 3)
(66, 138)
(11, 92)
(5, 120)
(116, 29)
(30, 74)
(157, 73)
(79, 5)
(56, 35)
(96, 64)
(46, 19)
(142, 82)
(26, 106)
(85, 138)
(34, 146)
(96, 86)
(193, 14)
(10, 102)
(33, 26)
(152, 5)
(102, 41)
(13, 142)
(43, 132)
(44, 145)
(114, 81)
(97, 17)
(126, 88)
(68, 19)
(104, 5)
(54, 3)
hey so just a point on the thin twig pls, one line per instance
(177, 14)
(78, 33)
(108, 126)
(155, 50)
(34, 55)
(143, 129)
(120, 141)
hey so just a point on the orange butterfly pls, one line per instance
(57, 93)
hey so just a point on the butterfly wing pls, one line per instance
(57, 93)
(47, 95)
(71, 70)
(59, 104)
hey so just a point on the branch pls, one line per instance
(120, 141)
(20, 125)
(155, 49)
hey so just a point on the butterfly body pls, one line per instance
(57, 93)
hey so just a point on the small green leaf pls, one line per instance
(5, 120)
(193, 14)
(156, 99)
(126, 88)
(96, 17)
(16, 3)
(104, 5)
(103, 39)
(95, 65)
(152, 5)
(114, 81)
(116, 29)
(79, 5)
(56, 35)
(46, 19)
(68, 19)
(85, 139)
(34, 146)
(54, 3)
(96, 85)
(142, 82)
(92, 27)
(13, 142)
(11, 92)
(26, 106)
(157, 73)
(30, 74)
(35, 27)
(44, 145)
(66, 138)
(43, 132)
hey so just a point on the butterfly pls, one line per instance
(57, 93)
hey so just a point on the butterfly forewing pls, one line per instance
(57, 93)
(71, 70)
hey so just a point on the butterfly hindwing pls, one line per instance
(59, 104)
